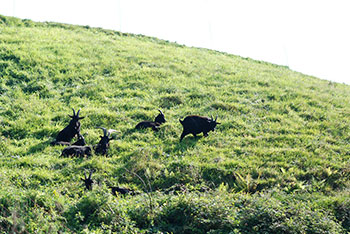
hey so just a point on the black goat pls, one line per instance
(103, 144)
(88, 186)
(88, 181)
(152, 124)
(194, 124)
(77, 150)
(70, 131)
(122, 191)
(80, 141)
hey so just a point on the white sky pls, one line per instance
(310, 36)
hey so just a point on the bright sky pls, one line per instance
(309, 36)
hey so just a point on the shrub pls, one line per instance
(269, 215)
(96, 210)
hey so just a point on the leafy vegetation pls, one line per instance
(278, 163)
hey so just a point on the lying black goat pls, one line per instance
(122, 191)
(115, 190)
(152, 124)
(76, 150)
(70, 131)
(103, 144)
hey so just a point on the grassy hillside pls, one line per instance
(278, 163)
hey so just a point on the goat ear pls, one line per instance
(71, 116)
(81, 117)
(218, 123)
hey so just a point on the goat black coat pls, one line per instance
(77, 150)
(122, 191)
(88, 181)
(148, 124)
(152, 124)
(103, 144)
(70, 131)
(80, 141)
(195, 124)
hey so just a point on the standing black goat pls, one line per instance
(103, 144)
(88, 181)
(152, 124)
(70, 131)
(195, 124)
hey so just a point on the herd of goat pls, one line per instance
(192, 124)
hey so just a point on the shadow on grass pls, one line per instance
(159, 133)
(186, 143)
(38, 147)
(130, 132)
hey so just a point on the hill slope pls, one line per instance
(279, 162)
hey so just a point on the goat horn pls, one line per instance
(85, 174)
(90, 174)
(160, 112)
(73, 111)
(104, 131)
(78, 113)
(211, 117)
(216, 118)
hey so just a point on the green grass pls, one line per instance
(278, 163)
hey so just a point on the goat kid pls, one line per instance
(103, 144)
(80, 141)
(88, 181)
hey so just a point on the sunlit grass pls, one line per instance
(282, 133)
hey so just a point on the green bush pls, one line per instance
(99, 211)
(268, 215)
